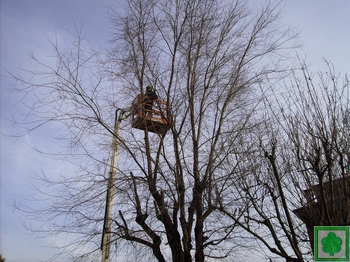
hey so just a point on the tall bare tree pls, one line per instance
(298, 164)
(205, 58)
(319, 135)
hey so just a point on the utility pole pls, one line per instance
(159, 122)
(107, 223)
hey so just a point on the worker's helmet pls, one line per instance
(149, 88)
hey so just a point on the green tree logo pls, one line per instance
(331, 244)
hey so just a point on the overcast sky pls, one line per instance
(325, 26)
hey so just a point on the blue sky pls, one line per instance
(24, 25)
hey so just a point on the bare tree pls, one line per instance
(319, 135)
(298, 164)
(205, 58)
